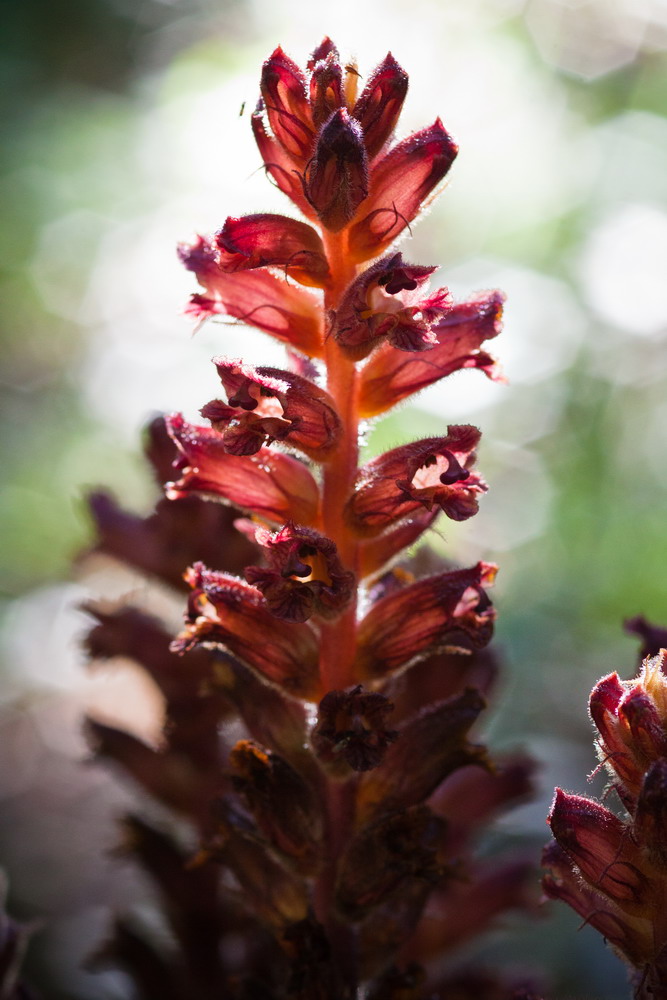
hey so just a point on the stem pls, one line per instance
(339, 639)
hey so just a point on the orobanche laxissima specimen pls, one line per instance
(320, 697)
(612, 869)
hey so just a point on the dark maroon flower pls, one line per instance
(284, 806)
(304, 576)
(385, 857)
(429, 748)
(336, 179)
(386, 303)
(351, 730)
(278, 896)
(267, 240)
(268, 404)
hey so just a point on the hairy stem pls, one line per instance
(339, 639)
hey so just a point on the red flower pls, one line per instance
(385, 301)
(304, 576)
(225, 611)
(430, 473)
(273, 240)
(258, 297)
(446, 612)
(456, 338)
(269, 404)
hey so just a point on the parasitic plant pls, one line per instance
(612, 869)
(320, 698)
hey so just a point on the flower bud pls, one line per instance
(304, 576)
(400, 182)
(283, 88)
(265, 240)
(380, 103)
(337, 176)
(599, 844)
(446, 612)
(431, 473)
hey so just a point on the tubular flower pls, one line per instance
(385, 302)
(318, 781)
(613, 870)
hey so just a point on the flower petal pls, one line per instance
(259, 298)
(400, 182)
(265, 240)
(427, 474)
(274, 404)
(271, 484)
(448, 611)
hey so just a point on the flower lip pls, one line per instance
(386, 302)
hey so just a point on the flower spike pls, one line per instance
(321, 695)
